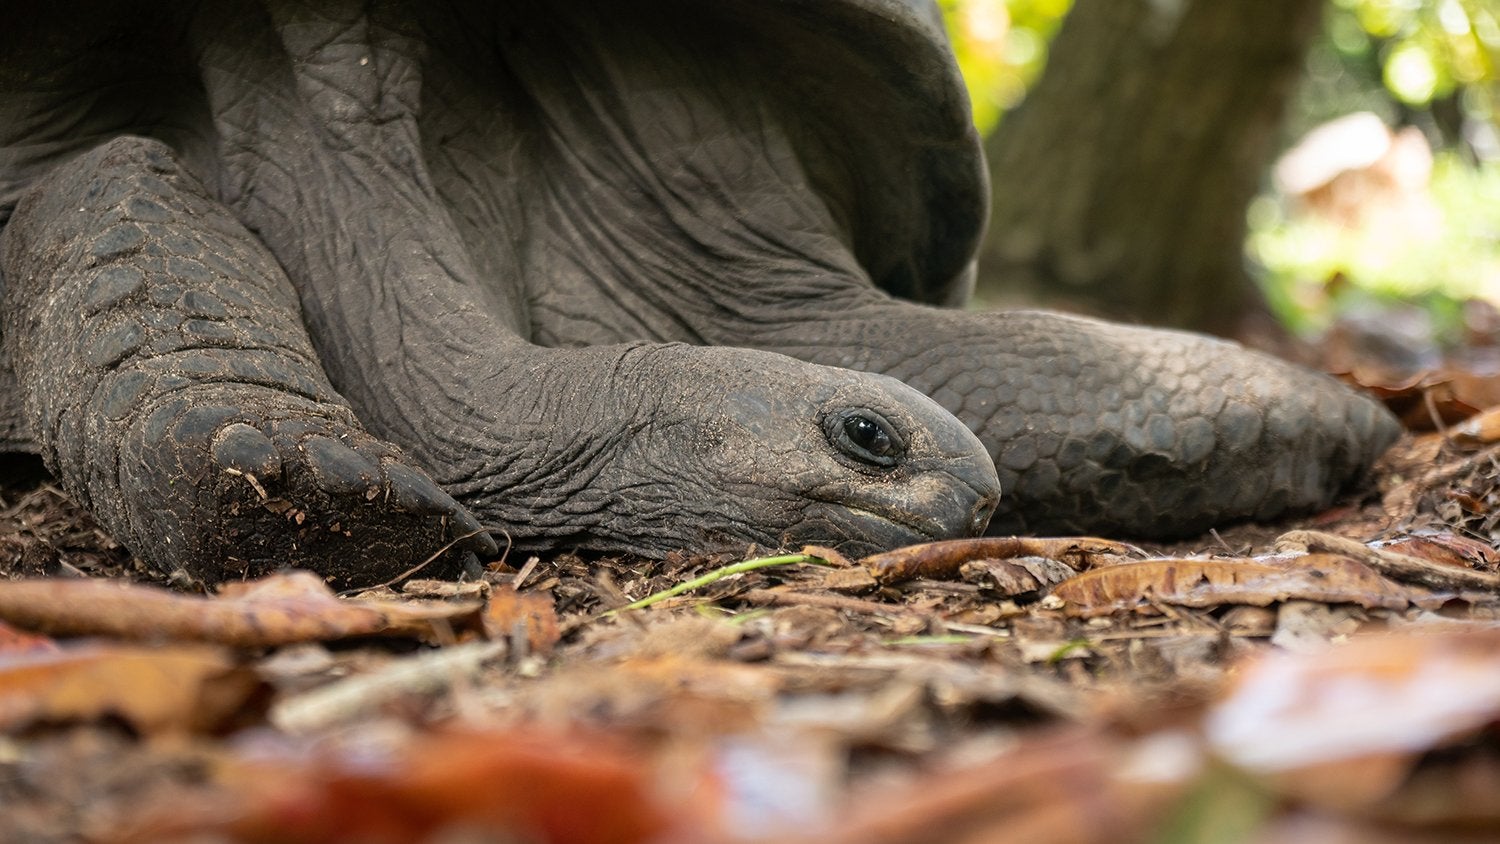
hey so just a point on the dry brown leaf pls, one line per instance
(1402, 567)
(1480, 429)
(943, 560)
(681, 696)
(1445, 549)
(277, 610)
(1344, 728)
(518, 785)
(1454, 394)
(183, 689)
(1206, 583)
(1064, 787)
(516, 617)
(1016, 577)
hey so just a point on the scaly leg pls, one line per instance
(172, 387)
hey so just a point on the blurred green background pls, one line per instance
(1428, 67)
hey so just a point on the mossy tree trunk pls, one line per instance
(1120, 185)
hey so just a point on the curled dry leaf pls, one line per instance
(1403, 567)
(1479, 429)
(1022, 576)
(1452, 393)
(1207, 583)
(1344, 728)
(277, 610)
(943, 560)
(1446, 549)
(181, 689)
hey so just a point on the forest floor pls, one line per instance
(1331, 678)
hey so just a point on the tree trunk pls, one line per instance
(1120, 185)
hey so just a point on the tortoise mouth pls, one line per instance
(934, 506)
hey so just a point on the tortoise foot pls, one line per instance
(234, 480)
(172, 386)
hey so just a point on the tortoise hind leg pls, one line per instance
(171, 385)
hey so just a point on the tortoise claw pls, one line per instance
(479, 539)
(242, 448)
(412, 492)
(339, 469)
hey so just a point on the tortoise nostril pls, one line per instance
(983, 509)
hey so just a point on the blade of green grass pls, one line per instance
(721, 573)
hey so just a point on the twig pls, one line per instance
(346, 700)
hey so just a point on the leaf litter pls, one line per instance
(1330, 680)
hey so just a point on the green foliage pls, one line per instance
(1316, 269)
(1402, 59)
(1428, 49)
(1001, 47)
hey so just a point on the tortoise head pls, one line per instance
(760, 448)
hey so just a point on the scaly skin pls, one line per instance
(174, 391)
(579, 267)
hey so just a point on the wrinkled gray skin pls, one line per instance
(330, 283)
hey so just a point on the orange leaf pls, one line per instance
(521, 785)
(511, 615)
(176, 689)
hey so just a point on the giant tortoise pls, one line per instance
(331, 283)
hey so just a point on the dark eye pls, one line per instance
(866, 436)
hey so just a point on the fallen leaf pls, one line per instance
(182, 689)
(1311, 626)
(1344, 728)
(1451, 393)
(943, 560)
(1327, 578)
(1403, 567)
(278, 610)
(1062, 787)
(528, 618)
(517, 785)
(1012, 578)
(1445, 549)
(1480, 429)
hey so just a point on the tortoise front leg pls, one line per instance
(172, 387)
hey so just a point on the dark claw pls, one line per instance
(244, 449)
(412, 492)
(471, 566)
(339, 468)
(481, 542)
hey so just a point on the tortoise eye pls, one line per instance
(865, 436)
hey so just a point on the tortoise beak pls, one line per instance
(948, 498)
